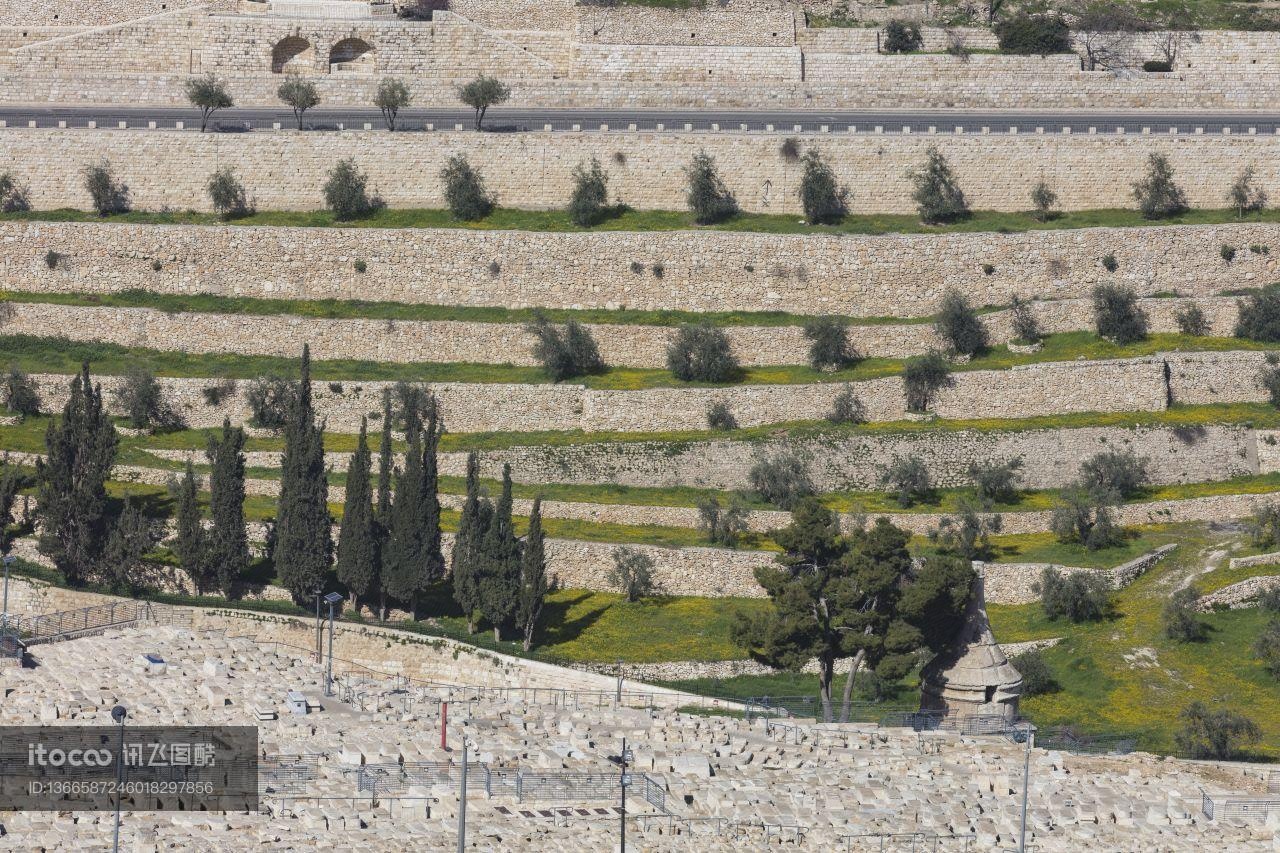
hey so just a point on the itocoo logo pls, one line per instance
(39, 756)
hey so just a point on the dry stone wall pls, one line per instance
(890, 275)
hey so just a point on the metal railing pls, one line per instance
(287, 775)
(1221, 806)
(66, 624)
(915, 842)
(931, 721)
(1074, 741)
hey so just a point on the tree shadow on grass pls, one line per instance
(554, 626)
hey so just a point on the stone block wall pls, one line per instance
(94, 13)
(710, 26)
(685, 64)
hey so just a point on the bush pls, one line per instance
(19, 392)
(1264, 525)
(1180, 619)
(1191, 320)
(1043, 198)
(724, 526)
(1157, 194)
(142, 399)
(781, 478)
(13, 197)
(902, 37)
(789, 150)
(1079, 597)
(52, 259)
(1117, 315)
(1026, 328)
(346, 193)
(392, 96)
(107, 194)
(967, 533)
(701, 353)
(1269, 378)
(270, 398)
(908, 478)
(1267, 647)
(847, 408)
(829, 346)
(937, 194)
(1114, 475)
(1245, 195)
(709, 199)
(632, 573)
(1269, 599)
(1109, 263)
(1258, 315)
(299, 95)
(1037, 678)
(1228, 253)
(1025, 34)
(464, 190)
(996, 482)
(922, 377)
(719, 416)
(1084, 518)
(1157, 66)
(1220, 735)
(590, 194)
(481, 94)
(824, 201)
(958, 324)
(215, 394)
(227, 194)
(565, 352)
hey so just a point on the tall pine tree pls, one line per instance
(533, 577)
(191, 545)
(413, 559)
(382, 517)
(357, 541)
(499, 581)
(304, 547)
(472, 526)
(228, 542)
(80, 448)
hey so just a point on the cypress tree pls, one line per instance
(228, 543)
(431, 493)
(357, 545)
(500, 561)
(382, 515)
(80, 449)
(191, 546)
(131, 537)
(533, 576)
(304, 546)
(413, 558)
(472, 524)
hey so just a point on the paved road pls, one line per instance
(919, 121)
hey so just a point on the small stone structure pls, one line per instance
(974, 678)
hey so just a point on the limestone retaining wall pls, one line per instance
(890, 275)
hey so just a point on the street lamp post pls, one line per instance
(462, 797)
(319, 626)
(622, 759)
(118, 713)
(331, 599)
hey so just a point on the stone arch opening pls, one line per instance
(352, 54)
(292, 54)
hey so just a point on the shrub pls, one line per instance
(227, 194)
(208, 94)
(789, 150)
(464, 190)
(360, 266)
(1157, 194)
(829, 345)
(1026, 34)
(847, 408)
(299, 95)
(1079, 597)
(1258, 315)
(1026, 328)
(988, 269)
(996, 482)
(1114, 475)
(1228, 253)
(1269, 378)
(142, 399)
(719, 416)
(52, 259)
(781, 478)
(908, 478)
(1157, 66)
(1181, 621)
(709, 199)
(1267, 647)
(701, 353)
(922, 377)
(107, 194)
(19, 392)
(392, 96)
(724, 526)
(1109, 263)
(215, 394)
(1264, 525)
(1085, 518)
(902, 37)
(632, 574)
(1117, 315)
(958, 324)
(1269, 599)
(1037, 678)
(1191, 320)
(590, 194)
(1259, 249)
(967, 533)
(270, 398)
(1043, 198)
(565, 352)
(937, 194)
(1245, 195)
(824, 201)
(346, 193)
(14, 198)
(481, 94)
(1220, 735)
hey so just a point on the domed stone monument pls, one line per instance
(973, 678)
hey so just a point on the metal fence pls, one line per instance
(916, 842)
(66, 624)
(288, 775)
(1273, 782)
(813, 706)
(931, 721)
(1222, 807)
(1075, 741)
